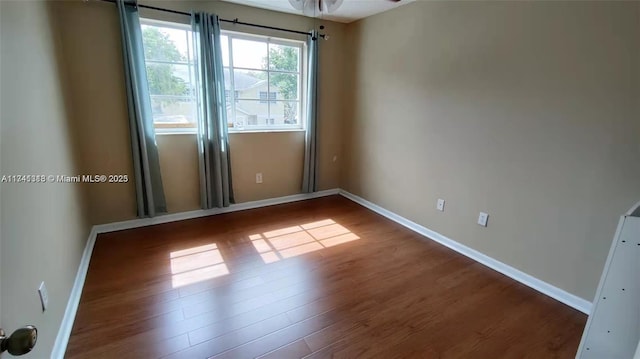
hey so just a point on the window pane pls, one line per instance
(193, 72)
(268, 97)
(171, 75)
(284, 58)
(251, 113)
(230, 119)
(249, 54)
(168, 79)
(285, 85)
(164, 44)
(169, 111)
(191, 55)
(224, 41)
(285, 112)
(249, 84)
(227, 79)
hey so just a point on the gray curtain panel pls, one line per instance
(146, 165)
(310, 174)
(213, 132)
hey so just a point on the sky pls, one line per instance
(246, 53)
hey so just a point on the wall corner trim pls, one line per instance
(60, 345)
(541, 286)
(64, 333)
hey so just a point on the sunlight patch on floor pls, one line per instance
(196, 264)
(297, 240)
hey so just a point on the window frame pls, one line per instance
(188, 128)
(176, 128)
(301, 73)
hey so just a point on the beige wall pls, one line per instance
(275, 155)
(525, 110)
(93, 62)
(44, 228)
(91, 47)
(179, 169)
(279, 157)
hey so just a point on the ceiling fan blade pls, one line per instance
(310, 7)
(331, 5)
(297, 4)
(315, 7)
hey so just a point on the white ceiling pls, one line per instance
(350, 10)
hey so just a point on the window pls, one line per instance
(227, 93)
(264, 75)
(171, 73)
(263, 79)
(271, 97)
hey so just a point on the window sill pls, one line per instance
(168, 132)
(267, 130)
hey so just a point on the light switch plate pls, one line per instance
(44, 296)
(258, 177)
(440, 205)
(482, 219)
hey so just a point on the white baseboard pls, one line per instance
(62, 339)
(524, 278)
(173, 217)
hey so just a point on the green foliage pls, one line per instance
(285, 58)
(158, 46)
(163, 82)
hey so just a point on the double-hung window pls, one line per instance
(171, 75)
(264, 76)
(263, 79)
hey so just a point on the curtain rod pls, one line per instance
(234, 21)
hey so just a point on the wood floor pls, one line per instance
(315, 279)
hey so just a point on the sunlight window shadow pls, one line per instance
(291, 240)
(196, 264)
(297, 240)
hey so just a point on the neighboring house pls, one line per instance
(255, 105)
(254, 102)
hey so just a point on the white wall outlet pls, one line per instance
(258, 177)
(335, 158)
(44, 296)
(482, 219)
(440, 205)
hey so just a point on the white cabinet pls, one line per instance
(613, 328)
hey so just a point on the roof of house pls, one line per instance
(241, 80)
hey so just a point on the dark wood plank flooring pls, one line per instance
(316, 279)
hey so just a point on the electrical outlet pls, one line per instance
(44, 296)
(258, 177)
(482, 219)
(335, 158)
(440, 205)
